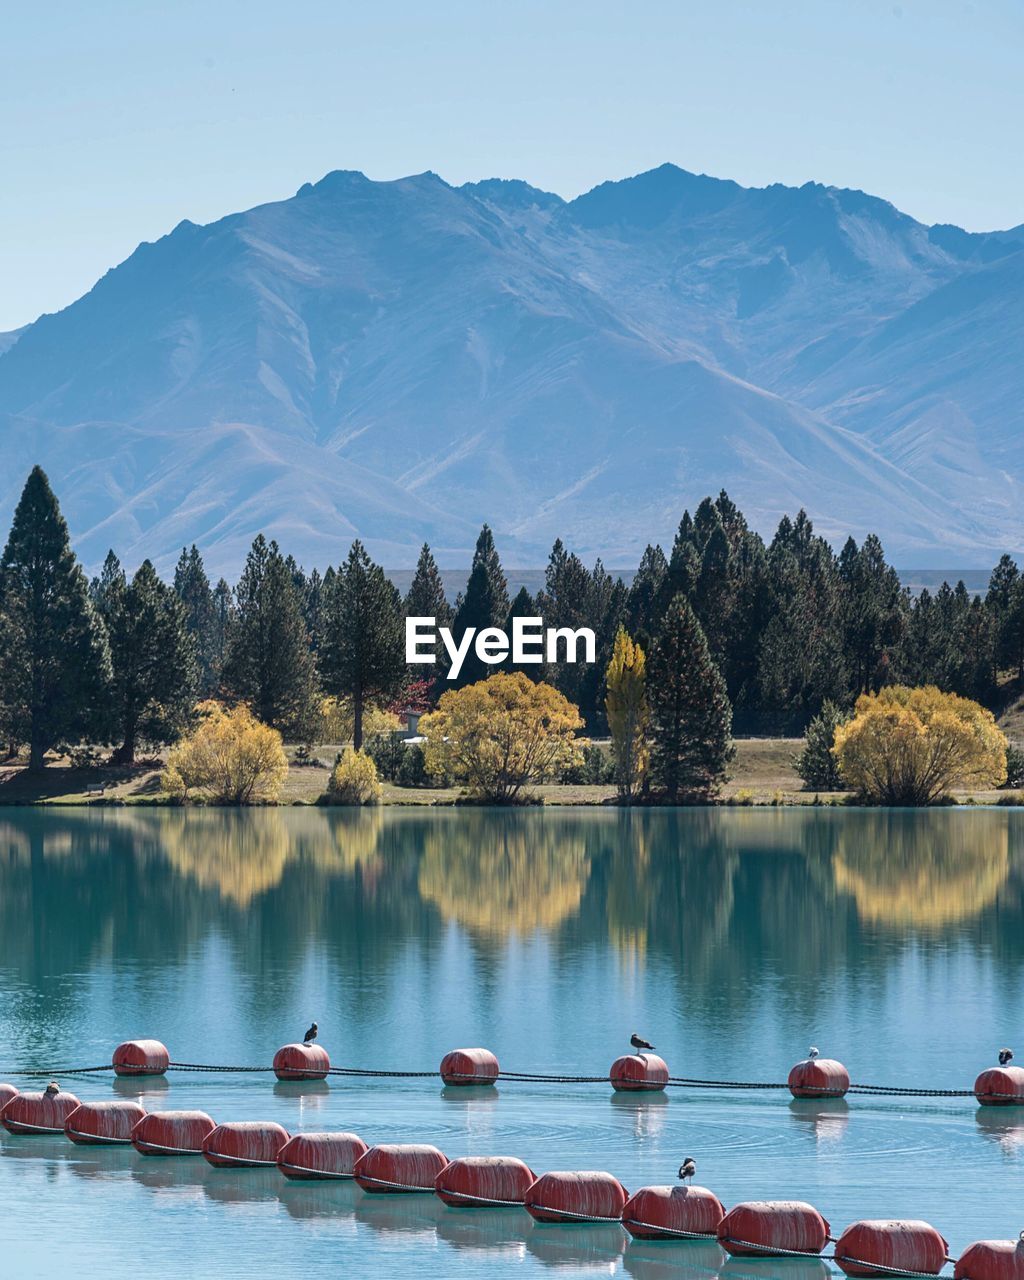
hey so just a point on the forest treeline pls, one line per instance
(789, 623)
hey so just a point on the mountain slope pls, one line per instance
(403, 360)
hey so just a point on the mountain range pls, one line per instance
(403, 360)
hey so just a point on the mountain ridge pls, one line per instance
(402, 360)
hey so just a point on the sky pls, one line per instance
(119, 119)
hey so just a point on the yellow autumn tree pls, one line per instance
(501, 735)
(911, 746)
(628, 714)
(231, 758)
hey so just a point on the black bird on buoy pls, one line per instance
(639, 1044)
(1005, 1056)
(310, 1035)
(687, 1169)
(53, 1087)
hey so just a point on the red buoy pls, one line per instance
(762, 1228)
(310, 1156)
(244, 1144)
(479, 1181)
(639, 1072)
(397, 1166)
(38, 1112)
(667, 1213)
(301, 1062)
(102, 1123)
(140, 1058)
(1000, 1087)
(819, 1078)
(172, 1133)
(992, 1260)
(469, 1066)
(7, 1092)
(586, 1196)
(878, 1248)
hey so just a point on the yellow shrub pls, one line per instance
(337, 720)
(231, 758)
(911, 746)
(501, 734)
(354, 780)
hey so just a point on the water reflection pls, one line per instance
(589, 1247)
(673, 1259)
(712, 892)
(825, 1118)
(1003, 1126)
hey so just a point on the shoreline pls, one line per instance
(763, 776)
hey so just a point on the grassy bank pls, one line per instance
(762, 774)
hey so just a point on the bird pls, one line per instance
(310, 1035)
(687, 1169)
(1005, 1056)
(52, 1088)
(812, 1052)
(639, 1044)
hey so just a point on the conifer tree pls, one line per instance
(523, 606)
(485, 604)
(54, 659)
(628, 715)
(269, 663)
(643, 602)
(362, 656)
(690, 711)
(153, 658)
(223, 617)
(426, 597)
(192, 587)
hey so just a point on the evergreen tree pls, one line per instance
(643, 602)
(223, 617)
(192, 587)
(269, 663)
(153, 658)
(54, 659)
(566, 601)
(800, 662)
(690, 712)
(523, 606)
(816, 764)
(485, 604)
(426, 598)
(363, 652)
(874, 614)
(106, 584)
(312, 609)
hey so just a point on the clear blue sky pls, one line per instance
(118, 119)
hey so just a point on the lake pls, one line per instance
(731, 938)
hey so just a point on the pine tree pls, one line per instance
(108, 582)
(426, 598)
(223, 617)
(628, 715)
(566, 602)
(192, 587)
(816, 764)
(643, 603)
(523, 606)
(485, 604)
(153, 658)
(269, 663)
(363, 652)
(54, 659)
(874, 613)
(690, 711)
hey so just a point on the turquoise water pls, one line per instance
(732, 939)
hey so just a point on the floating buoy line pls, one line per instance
(814, 1077)
(769, 1228)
